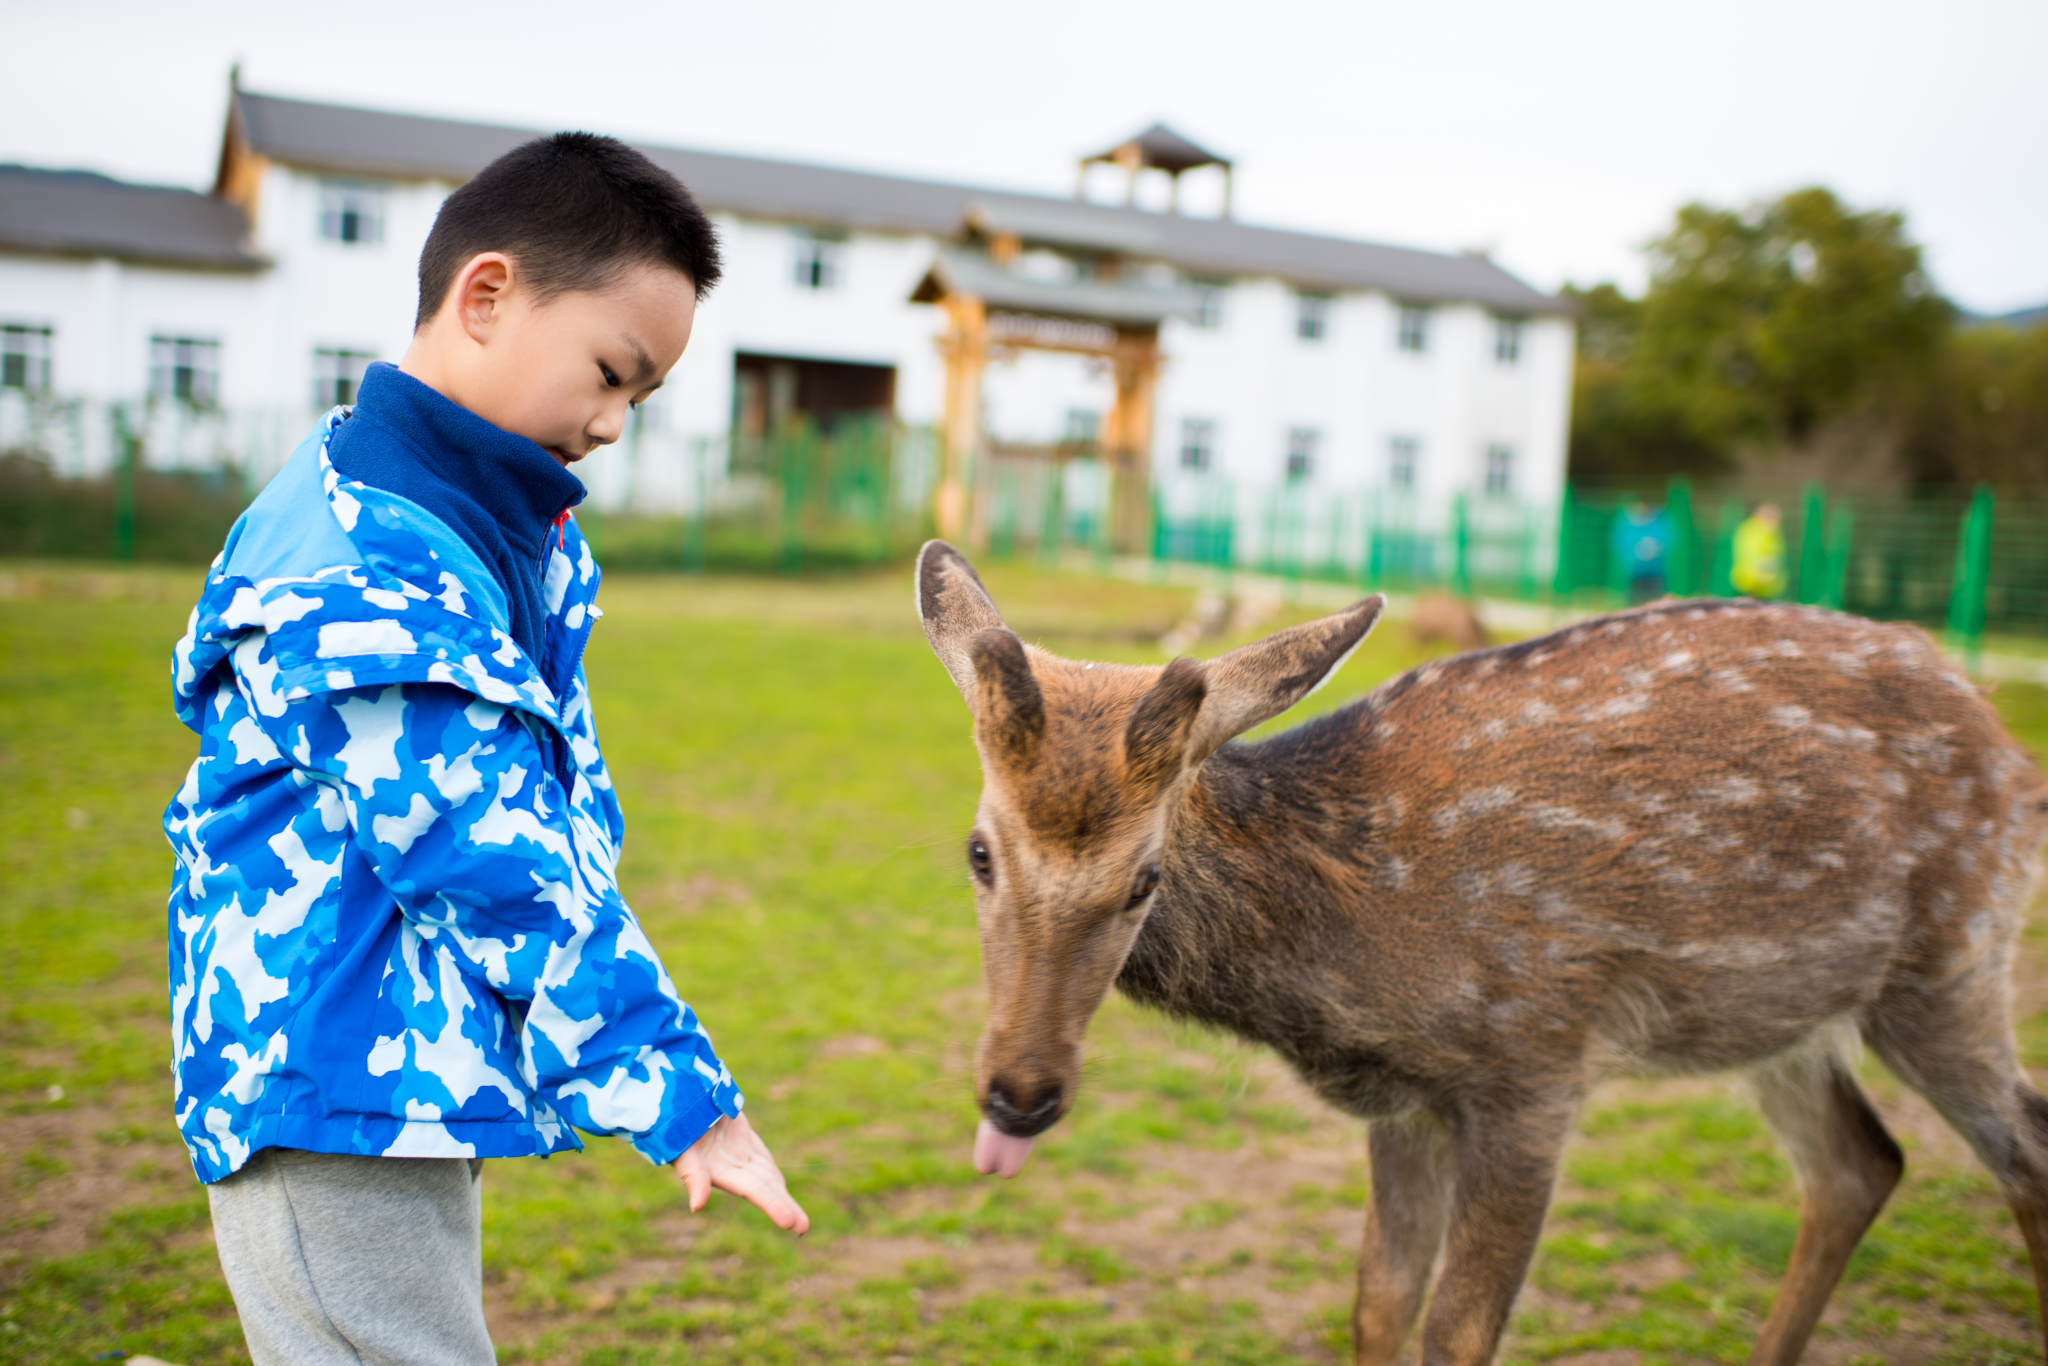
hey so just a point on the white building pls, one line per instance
(1285, 360)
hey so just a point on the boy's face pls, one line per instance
(562, 372)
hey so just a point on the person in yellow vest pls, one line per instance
(1759, 568)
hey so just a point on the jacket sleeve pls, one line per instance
(451, 800)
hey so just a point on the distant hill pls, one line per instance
(2019, 319)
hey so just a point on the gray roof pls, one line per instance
(1161, 147)
(78, 213)
(958, 271)
(402, 146)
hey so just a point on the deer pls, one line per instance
(1694, 837)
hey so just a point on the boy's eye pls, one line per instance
(611, 380)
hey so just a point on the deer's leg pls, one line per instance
(1506, 1160)
(1412, 1180)
(1847, 1167)
(1953, 1044)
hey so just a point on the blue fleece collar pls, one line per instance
(499, 492)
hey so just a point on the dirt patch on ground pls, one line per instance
(67, 1166)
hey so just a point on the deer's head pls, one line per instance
(1082, 764)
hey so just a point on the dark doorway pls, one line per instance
(770, 391)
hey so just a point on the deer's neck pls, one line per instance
(1267, 858)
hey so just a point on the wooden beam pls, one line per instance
(964, 346)
(1127, 436)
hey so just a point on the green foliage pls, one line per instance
(1759, 326)
(1777, 317)
(1983, 414)
(180, 517)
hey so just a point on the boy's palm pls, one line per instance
(731, 1157)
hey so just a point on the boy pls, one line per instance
(397, 945)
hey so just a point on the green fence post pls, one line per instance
(1841, 533)
(1813, 546)
(1973, 572)
(1680, 558)
(1721, 574)
(693, 525)
(1562, 581)
(1461, 546)
(128, 444)
(1525, 557)
(1054, 527)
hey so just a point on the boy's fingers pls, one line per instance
(761, 1186)
(697, 1182)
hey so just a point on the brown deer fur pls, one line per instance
(1690, 837)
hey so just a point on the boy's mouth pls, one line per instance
(562, 457)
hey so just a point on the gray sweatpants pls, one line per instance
(337, 1259)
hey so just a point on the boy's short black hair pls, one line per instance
(573, 210)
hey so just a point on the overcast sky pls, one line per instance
(1558, 135)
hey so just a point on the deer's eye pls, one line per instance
(1143, 885)
(978, 860)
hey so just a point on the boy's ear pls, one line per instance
(1257, 682)
(956, 610)
(479, 292)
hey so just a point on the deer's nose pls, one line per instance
(1022, 1116)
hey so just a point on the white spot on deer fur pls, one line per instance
(1538, 712)
(1567, 684)
(1791, 717)
(1614, 708)
(1676, 660)
(1637, 678)
(1564, 818)
(1392, 873)
(1736, 790)
(1732, 680)
(1480, 802)
(1506, 1012)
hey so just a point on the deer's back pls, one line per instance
(1685, 834)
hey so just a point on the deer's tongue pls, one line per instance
(997, 1153)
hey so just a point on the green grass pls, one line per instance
(797, 781)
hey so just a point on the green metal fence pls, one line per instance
(1964, 561)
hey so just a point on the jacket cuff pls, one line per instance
(690, 1122)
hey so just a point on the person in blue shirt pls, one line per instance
(1642, 541)
(397, 943)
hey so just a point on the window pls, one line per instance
(337, 374)
(1083, 427)
(1507, 340)
(1401, 454)
(1312, 316)
(1208, 312)
(820, 260)
(1413, 332)
(1301, 452)
(24, 357)
(1197, 443)
(352, 212)
(1500, 471)
(186, 368)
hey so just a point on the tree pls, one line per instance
(1758, 327)
(1629, 425)
(1983, 418)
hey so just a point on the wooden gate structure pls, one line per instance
(991, 308)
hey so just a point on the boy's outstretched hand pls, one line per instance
(731, 1157)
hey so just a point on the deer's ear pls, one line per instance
(1009, 710)
(1257, 682)
(956, 609)
(1156, 736)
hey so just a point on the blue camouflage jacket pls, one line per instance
(395, 925)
